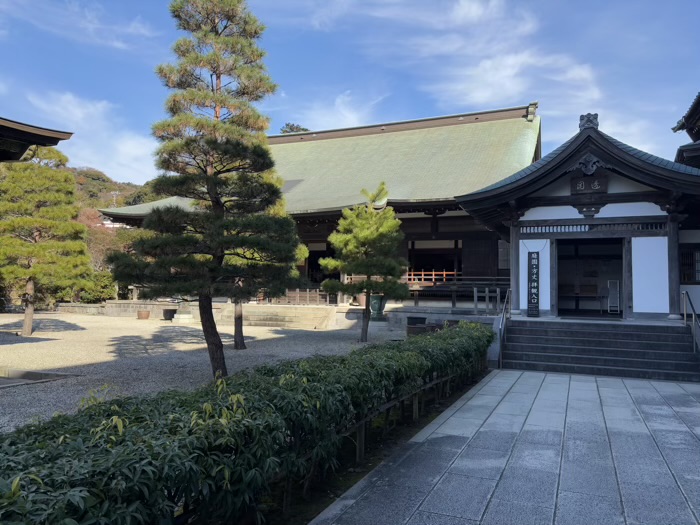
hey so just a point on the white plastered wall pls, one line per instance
(618, 209)
(543, 247)
(650, 274)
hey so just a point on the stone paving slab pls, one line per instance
(533, 448)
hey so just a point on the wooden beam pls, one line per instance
(601, 234)
(553, 278)
(593, 198)
(627, 297)
(515, 266)
(611, 220)
(674, 269)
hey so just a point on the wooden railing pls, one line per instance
(431, 278)
(302, 297)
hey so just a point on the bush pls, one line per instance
(213, 452)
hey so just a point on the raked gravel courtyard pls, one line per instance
(138, 357)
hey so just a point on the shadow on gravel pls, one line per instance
(44, 325)
(163, 341)
(11, 338)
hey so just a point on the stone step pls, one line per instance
(516, 330)
(600, 341)
(631, 353)
(273, 324)
(284, 318)
(603, 326)
(596, 360)
(661, 375)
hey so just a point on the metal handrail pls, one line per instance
(687, 301)
(505, 315)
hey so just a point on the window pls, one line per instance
(690, 263)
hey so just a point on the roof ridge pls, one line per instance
(527, 112)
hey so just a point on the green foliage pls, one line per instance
(99, 287)
(213, 453)
(95, 189)
(39, 238)
(290, 127)
(366, 244)
(144, 194)
(214, 149)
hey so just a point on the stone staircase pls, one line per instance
(648, 351)
(292, 317)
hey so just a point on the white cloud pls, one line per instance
(79, 20)
(101, 140)
(345, 111)
(471, 55)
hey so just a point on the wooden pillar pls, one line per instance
(457, 268)
(627, 297)
(674, 269)
(515, 268)
(553, 278)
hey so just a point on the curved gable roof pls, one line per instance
(618, 156)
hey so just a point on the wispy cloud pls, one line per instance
(101, 139)
(481, 54)
(344, 111)
(79, 20)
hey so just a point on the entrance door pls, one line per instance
(589, 277)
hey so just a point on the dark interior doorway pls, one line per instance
(589, 280)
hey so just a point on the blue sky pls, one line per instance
(87, 66)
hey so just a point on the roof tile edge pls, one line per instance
(526, 113)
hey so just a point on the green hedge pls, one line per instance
(213, 452)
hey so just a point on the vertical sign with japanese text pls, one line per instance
(533, 284)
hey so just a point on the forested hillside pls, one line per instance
(95, 189)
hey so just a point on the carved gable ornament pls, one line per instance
(589, 120)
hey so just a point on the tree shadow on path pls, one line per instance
(165, 340)
(43, 325)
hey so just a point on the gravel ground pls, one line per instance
(137, 357)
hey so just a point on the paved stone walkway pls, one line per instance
(533, 448)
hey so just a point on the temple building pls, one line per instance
(614, 231)
(424, 163)
(603, 222)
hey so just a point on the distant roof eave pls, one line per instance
(35, 130)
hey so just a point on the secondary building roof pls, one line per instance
(587, 150)
(690, 122)
(16, 138)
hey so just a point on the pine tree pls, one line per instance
(366, 243)
(290, 127)
(237, 238)
(41, 245)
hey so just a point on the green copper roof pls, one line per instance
(417, 165)
(139, 211)
(420, 161)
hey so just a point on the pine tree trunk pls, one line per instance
(212, 337)
(365, 319)
(238, 340)
(27, 327)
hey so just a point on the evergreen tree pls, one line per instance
(366, 243)
(41, 245)
(290, 127)
(237, 238)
